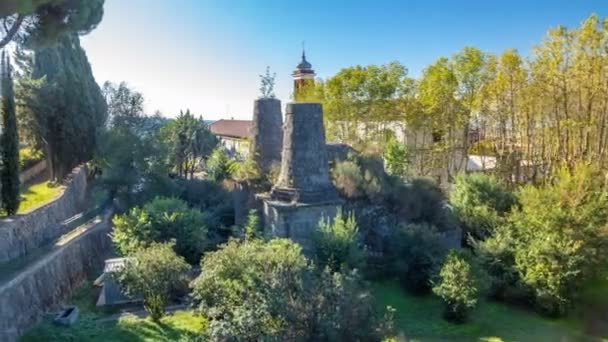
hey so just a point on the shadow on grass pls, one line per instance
(420, 318)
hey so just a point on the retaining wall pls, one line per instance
(20, 234)
(41, 287)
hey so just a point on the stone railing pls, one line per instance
(21, 234)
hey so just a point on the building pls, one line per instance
(234, 135)
(303, 77)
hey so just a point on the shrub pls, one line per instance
(414, 255)
(348, 179)
(396, 157)
(161, 220)
(211, 198)
(420, 201)
(560, 238)
(155, 272)
(218, 165)
(255, 290)
(246, 170)
(480, 203)
(336, 243)
(457, 287)
(253, 229)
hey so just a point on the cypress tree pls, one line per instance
(9, 172)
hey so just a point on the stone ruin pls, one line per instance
(267, 133)
(304, 193)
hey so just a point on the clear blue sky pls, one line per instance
(206, 55)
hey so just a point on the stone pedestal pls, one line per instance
(304, 193)
(296, 221)
(267, 133)
(304, 176)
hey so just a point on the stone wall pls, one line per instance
(32, 172)
(41, 287)
(20, 234)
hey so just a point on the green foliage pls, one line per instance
(42, 22)
(60, 104)
(267, 82)
(397, 158)
(162, 220)
(457, 287)
(257, 290)
(348, 179)
(29, 157)
(480, 202)
(189, 142)
(414, 255)
(253, 228)
(420, 201)
(337, 243)
(246, 170)
(125, 105)
(157, 273)
(212, 199)
(560, 238)
(218, 165)
(9, 141)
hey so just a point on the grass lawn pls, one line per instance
(36, 195)
(177, 326)
(419, 318)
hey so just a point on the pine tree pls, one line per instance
(9, 173)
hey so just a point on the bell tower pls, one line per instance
(303, 77)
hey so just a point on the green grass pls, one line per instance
(178, 326)
(37, 195)
(419, 318)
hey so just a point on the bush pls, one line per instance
(336, 243)
(397, 158)
(29, 157)
(414, 255)
(255, 290)
(457, 287)
(211, 198)
(421, 201)
(348, 179)
(560, 238)
(162, 220)
(218, 165)
(157, 273)
(480, 202)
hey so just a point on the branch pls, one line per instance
(10, 34)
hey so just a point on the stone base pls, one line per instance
(296, 221)
(292, 195)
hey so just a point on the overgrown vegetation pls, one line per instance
(156, 273)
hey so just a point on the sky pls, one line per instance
(207, 55)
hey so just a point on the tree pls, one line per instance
(337, 243)
(414, 255)
(397, 157)
(560, 238)
(9, 146)
(480, 202)
(125, 105)
(456, 287)
(190, 142)
(157, 273)
(43, 22)
(267, 84)
(218, 165)
(161, 220)
(61, 104)
(255, 290)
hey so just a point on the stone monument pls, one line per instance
(267, 133)
(304, 193)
